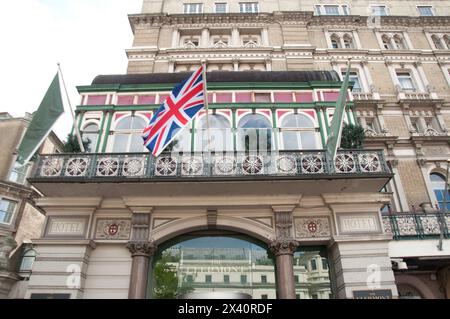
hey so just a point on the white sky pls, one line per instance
(88, 38)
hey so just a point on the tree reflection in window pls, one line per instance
(254, 134)
(90, 133)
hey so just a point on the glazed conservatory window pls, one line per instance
(90, 133)
(254, 133)
(354, 77)
(7, 208)
(298, 132)
(220, 7)
(128, 135)
(192, 8)
(219, 131)
(438, 184)
(425, 11)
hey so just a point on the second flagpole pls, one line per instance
(205, 93)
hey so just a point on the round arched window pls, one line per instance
(298, 132)
(254, 133)
(438, 184)
(128, 135)
(219, 133)
(90, 133)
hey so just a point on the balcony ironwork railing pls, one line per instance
(417, 225)
(226, 165)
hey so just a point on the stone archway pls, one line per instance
(417, 284)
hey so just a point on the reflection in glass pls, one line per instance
(127, 135)
(298, 132)
(312, 279)
(220, 134)
(213, 264)
(254, 134)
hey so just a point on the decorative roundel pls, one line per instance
(108, 166)
(225, 165)
(312, 164)
(286, 164)
(192, 165)
(52, 166)
(312, 227)
(77, 166)
(252, 165)
(113, 229)
(345, 163)
(369, 163)
(134, 166)
(166, 166)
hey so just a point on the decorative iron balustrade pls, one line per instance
(233, 164)
(417, 225)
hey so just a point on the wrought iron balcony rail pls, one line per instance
(417, 225)
(300, 164)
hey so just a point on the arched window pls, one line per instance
(28, 260)
(90, 133)
(399, 42)
(437, 42)
(447, 41)
(348, 42)
(386, 42)
(298, 132)
(128, 135)
(335, 42)
(182, 141)
(254, 133)
(438, 184)
(219, 132)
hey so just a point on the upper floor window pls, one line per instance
(19, 173)
(332, 9)
(425, 124)
(354, 77)
(379, 10)
(298, 132)
(341, 40)
(220, 7)
(127, 135)
(192, 8)
(28, 259)
(248, 7)
(313, 264)
(394, 41)
(438, 184)
(190, 41)
(406, 81)
(90, 133)
(425, 11)
(7, 209)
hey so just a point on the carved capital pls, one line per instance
(283, 247)
(141, 248)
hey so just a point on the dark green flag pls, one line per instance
(334, 138)
(43, 120)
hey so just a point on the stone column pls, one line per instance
(140, 254)
(284, 253)
(283, 248)
(235, 40)
(141, 250)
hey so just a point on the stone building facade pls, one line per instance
(20, 220)
(275, 68)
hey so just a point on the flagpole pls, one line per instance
(205, 93)
(77, 132)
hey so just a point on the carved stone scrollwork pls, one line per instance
(283, 247)
(141, 248)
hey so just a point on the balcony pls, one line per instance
(297, 167)
(417, 225)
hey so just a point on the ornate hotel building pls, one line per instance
(275, 218)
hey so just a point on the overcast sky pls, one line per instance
(88, 37)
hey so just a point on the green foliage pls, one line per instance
(166, 281)
(71, 144)
(352, 137)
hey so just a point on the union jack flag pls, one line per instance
(177, 111)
